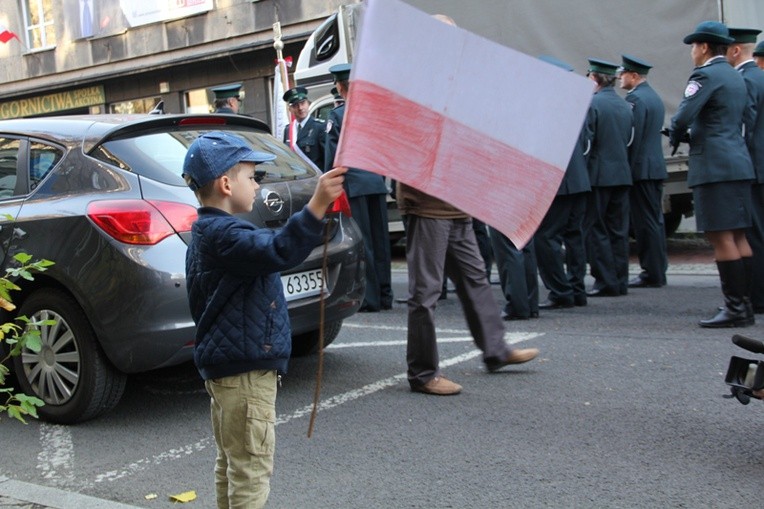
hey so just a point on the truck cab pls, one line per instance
(330, 44)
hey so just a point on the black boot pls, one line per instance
(748, 266)
(734, 314)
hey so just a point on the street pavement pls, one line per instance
(686, 257)
(23, 495)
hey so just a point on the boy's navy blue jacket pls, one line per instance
(235, 293)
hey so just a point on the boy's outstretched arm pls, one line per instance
(328, 189)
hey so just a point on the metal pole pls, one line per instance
(278, 45)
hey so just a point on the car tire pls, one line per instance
(85, 382)
(307, 343)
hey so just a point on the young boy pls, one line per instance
(243, 338)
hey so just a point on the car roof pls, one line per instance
(92, 130)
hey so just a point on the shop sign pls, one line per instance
(51, 103)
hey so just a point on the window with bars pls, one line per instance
(40, 25)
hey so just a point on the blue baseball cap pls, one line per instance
(214, 153)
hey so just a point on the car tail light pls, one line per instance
(140, 221)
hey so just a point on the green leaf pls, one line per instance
(26, 275)
(32, 401)
(8, 327)
(22, 258)
(32, 342)
(15, 413)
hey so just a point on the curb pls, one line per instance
(22, 492)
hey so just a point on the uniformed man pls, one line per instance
(310, 131)
(518, 276)
(367, 194)
(227, 98)
(563, 225)
(338, 100)
(648, 171)
(740, 55)
(758, 55)
(720, 169)
(609, 127)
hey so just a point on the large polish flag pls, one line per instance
(476, 124)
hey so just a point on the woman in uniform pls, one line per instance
(721, 171)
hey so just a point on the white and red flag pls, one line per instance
(6, 35)
(280, 117)
(479, 125)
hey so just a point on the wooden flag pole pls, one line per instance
(278, 45)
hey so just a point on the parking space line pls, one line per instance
(401, 328)
(326, 404)
(510, 337)
(56, 454)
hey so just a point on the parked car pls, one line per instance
(102, 197)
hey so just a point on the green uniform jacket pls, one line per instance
(712, 109)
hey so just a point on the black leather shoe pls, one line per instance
(507, 317)
(579, 300)
(556, 304)
(603, 292)
(726, 318)
(638, 282)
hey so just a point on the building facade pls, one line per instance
(124, 56)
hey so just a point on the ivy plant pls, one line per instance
(18, 334)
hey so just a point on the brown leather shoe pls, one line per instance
(439, 386)
(515, 356)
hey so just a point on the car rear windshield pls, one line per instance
(159, 155)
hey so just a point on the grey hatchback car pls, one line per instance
(102, 197)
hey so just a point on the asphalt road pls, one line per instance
(623, 408)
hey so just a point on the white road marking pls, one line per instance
(510, 337)
(157, 459)
(326, 404)
(401, 328)
(56, 454)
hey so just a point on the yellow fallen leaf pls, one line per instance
(6, 305)
(186, 496)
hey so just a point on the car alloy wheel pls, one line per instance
(71, 374)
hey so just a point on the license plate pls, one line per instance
(302, 284)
